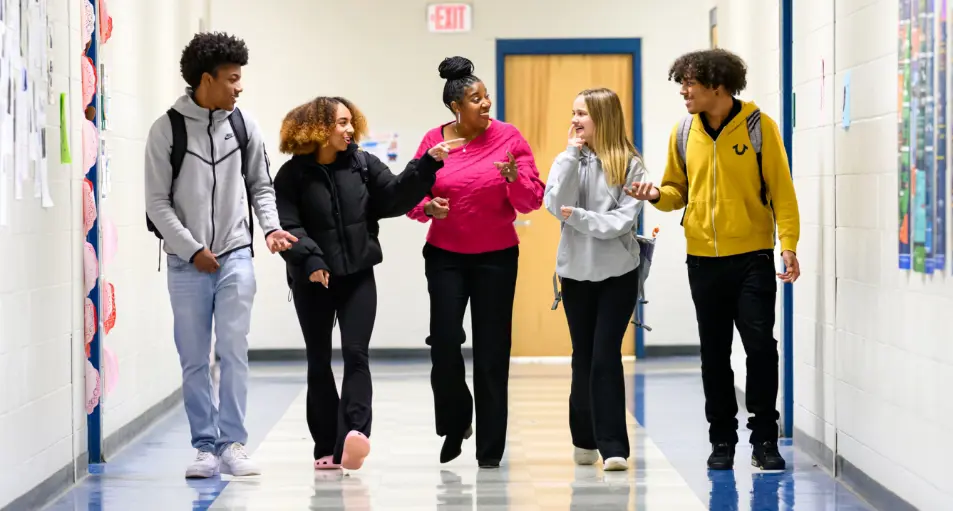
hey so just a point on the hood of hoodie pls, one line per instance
(187, 106)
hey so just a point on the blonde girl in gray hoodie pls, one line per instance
(597, 262)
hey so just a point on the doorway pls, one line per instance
(537, 81)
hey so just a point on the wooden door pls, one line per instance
(540, 90)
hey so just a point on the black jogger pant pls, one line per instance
(353, 299)
(488, 282)
(598, 314)
(738, 290)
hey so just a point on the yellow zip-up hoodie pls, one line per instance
(721, 189)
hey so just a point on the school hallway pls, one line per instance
(666, 425)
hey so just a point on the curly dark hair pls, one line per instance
(458, 72)
(307, 127)
(207, 52)
(711, 68)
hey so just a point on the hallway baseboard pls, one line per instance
(300, 355)
(414, 354)
(63, 479)
(858, 481)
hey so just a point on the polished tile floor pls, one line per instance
(667, 428)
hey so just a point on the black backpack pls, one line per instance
(179, 148)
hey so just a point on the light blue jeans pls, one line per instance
(198, 298)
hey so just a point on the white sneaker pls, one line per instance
(585, 456)
(205, 465)
(615, 464)
(235, 461)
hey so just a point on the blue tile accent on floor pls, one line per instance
(672, 410)
(159, 458)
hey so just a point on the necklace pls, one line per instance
(456, 129)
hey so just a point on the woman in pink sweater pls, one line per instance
(471, 256)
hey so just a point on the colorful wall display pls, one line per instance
(922, 134)
(102, 369)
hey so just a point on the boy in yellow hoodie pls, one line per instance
(728, 168)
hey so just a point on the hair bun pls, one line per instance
(455, 68)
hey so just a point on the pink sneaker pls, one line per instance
(326, 463)
(356, 448)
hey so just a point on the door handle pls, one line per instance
(521, 223)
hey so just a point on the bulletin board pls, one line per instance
(923, 137)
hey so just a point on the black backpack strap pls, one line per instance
(180, 139)
(361, 158)
(237, 121)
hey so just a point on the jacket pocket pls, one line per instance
(697, 222)
(739, 218)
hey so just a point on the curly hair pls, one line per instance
(307, 127)
(712, 69)
(207, 52)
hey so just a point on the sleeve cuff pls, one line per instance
(787, 244)
(192, 259)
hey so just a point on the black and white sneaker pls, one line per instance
(765, 456)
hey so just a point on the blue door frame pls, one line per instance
(633, 47)
(787, 135)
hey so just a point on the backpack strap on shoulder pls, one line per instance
(684, 128)
(237, 121)
(361, 158)
(179, 142)
(755, 135)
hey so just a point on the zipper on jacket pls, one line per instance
(714, 188)
(336, 213)
(211, 143)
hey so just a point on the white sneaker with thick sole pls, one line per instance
(235, 461)
(615, 465)
(585, 456)
(205, 465)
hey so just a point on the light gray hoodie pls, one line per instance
(598, 240)
(210, 208)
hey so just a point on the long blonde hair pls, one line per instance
(611, 142)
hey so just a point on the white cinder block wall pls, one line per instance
(387, 64)
(872, 343)
(42, 360)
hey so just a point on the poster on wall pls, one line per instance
(922, 134)
(942, 138)
(713, 27)
(926, 140)
(904, 113)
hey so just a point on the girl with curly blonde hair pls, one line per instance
(331, 196)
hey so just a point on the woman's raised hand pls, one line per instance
(440, 151)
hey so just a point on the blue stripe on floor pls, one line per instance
(669, 403)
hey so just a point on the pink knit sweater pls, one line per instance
(483, 205)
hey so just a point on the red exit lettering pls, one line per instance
(447, 18)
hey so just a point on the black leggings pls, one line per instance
(354, 300)
(598, 314)
(488, 282)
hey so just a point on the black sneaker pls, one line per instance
(765, 456)
(722, 456)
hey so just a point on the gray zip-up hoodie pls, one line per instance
(598, 240)
(208, 208)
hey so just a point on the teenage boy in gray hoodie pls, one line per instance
(205, 167)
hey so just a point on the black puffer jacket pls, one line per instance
(334, 213)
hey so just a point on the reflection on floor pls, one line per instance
(402, 472)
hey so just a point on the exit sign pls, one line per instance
(449, 17)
